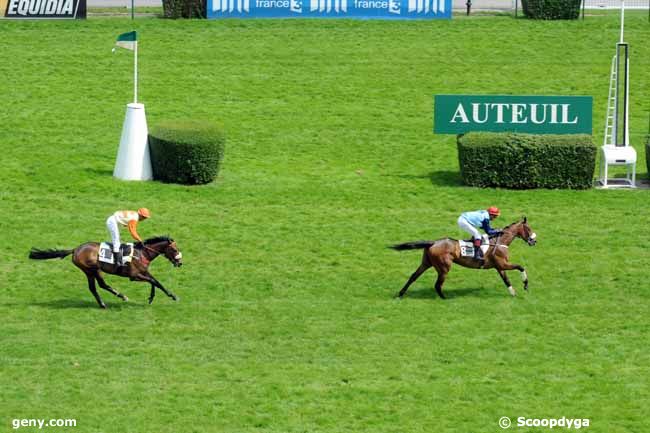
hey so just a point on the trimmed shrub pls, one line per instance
(186, 151)
(184, 8)
(551, 9)
(647, 153)
(523, 161)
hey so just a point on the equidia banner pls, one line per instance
(69, 9)
(382, 9)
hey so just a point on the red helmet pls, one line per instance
(144, 212)
(493, 210)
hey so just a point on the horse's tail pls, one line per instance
(37, 254)
(416, 245)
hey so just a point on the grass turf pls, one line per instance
(287, 322)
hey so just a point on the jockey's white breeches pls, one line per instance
(114, 230)
(466, 226)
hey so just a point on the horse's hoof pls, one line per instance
(125, 298)
(176, 298)
(150, 301)
(512, 291)
(103, 306)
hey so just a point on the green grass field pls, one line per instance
(286, 321)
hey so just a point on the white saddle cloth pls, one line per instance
(106, 253)
(467, 248)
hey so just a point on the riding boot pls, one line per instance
(118, 258)
(478, 252)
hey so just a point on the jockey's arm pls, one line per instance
(489, 230)
(132, 229)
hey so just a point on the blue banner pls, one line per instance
(381, 9)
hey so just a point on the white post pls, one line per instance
(135, 74)
(626, 133)
(133, 160)
(622, 17)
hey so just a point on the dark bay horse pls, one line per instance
(85, 257)
(442, 253)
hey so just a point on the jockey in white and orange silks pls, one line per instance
(127, 218)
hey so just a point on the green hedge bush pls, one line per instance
(551, 9)
(523, 161)
(186, 151)
(647, 153)
(184, 8)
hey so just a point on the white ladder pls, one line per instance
(613, 152)
(610, 121)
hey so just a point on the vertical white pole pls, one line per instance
(627, 102)
(135, 73)
(622, 17)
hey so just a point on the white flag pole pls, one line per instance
(135, 73)
(622, 18)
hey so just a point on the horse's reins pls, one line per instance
(146, 260)
(151, 249)
(497, 244)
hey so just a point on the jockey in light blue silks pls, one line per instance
(472, 221)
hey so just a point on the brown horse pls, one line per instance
(85, 257)
(442, 253)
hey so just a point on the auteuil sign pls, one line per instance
(457, 114)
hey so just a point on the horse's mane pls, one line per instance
(505, 228)
(509, 225)
(154, 240)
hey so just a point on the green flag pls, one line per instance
(130, 42)
(127, 40)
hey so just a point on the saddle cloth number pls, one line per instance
(106, 253)
(467, 250)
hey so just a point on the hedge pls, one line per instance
(551, 9)
(184, 8)
(186, 151)
(647, 153)
(523, 161)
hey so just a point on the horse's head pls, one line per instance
(173, 254)
(166, 246)
(526, 233)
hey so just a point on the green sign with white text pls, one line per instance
(457, 114)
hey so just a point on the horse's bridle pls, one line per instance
(177, 257)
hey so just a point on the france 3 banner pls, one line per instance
(48, 9)
(381, 9)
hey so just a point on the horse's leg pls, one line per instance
(524, 278)
(506, 280)
(442, 275)
(105, 286)
(93, 290)
(155, 283)
(513, 266)
(442, 263)
(152, 294)
(423, 267)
